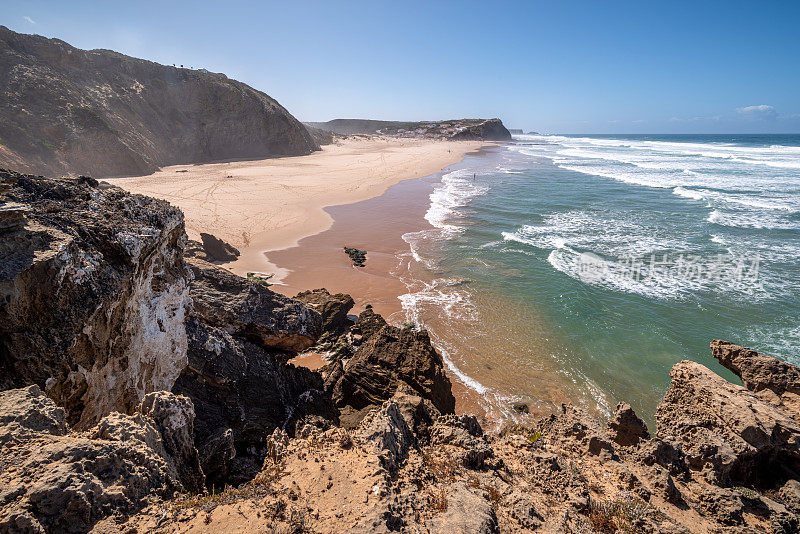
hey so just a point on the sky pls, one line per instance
(555, 67)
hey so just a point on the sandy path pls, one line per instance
(270, 204)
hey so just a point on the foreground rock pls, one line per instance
(54, 120)
(54, 480)
(93, 293)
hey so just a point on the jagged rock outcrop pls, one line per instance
(386, 431)
(249, 309)
(391, 357)
(102, 113)
(173, 416)
(758, 372)
(369, 323)
(625, 427)
(727, 431)
(93, 293)
(54, 480)
(490, 130)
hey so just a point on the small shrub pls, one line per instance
(260, 278)
(747, 492)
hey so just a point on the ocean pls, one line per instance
(580, 268)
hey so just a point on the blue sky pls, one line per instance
(579, 67)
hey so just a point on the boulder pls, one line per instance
(726, 430)
(57, 481)
(249, 309)
(217, 249)
(390, 357)
(93, 294)
(466, 433)
(386, 432)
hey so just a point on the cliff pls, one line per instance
(136, 377)
(101, 113)
(455, 129)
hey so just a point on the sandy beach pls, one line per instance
(271, 204)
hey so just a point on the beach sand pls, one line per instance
(270, 204)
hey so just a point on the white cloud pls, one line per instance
(29, 20)
(762, 111)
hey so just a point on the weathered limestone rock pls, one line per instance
(465, 432)
(387, 433)
(467, 513)
(251, 310)
(727, 430)
(173, 416)
(757, 371)
(65, 482)
(93, 294)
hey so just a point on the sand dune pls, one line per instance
(271, 204)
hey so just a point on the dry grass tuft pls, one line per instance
(442, 466)
(438, 500)
(619, 514)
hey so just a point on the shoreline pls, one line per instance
(377, 225)
(259, 206)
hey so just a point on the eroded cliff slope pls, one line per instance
(102, 113)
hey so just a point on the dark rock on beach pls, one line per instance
(211, 249)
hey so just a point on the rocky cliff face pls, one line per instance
(101, 113)
(93, 293)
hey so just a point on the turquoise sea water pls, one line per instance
(603, 260)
